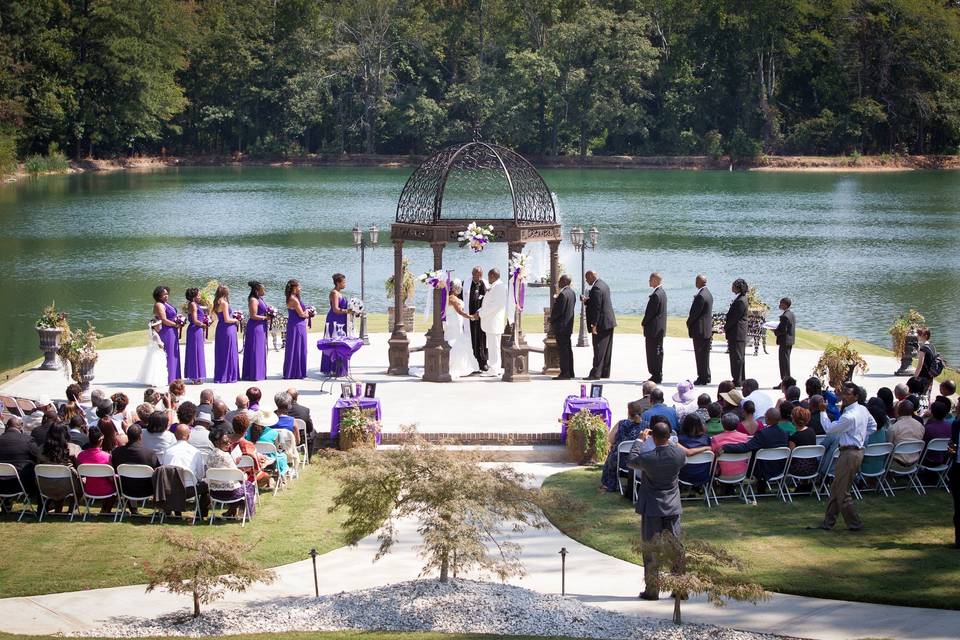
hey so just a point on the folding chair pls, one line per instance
(133, 472)
(227, 475)
(52, 473)
(881, 451)
(774, 454)
(623, 449)
(302, 449)
(820, 438)
(806, 452)
(26, 406)
(700, 459)
(907, 447)
(87, 471)
(270, 450)
(247, 462)
(740, 479)
(831, 473)
(10, 406)
(937, 445)
(190, 486)
(287, 444)
(9, 473)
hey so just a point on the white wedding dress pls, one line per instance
(456, 331)
(153, 370)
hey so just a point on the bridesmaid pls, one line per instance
(225, 365)
(337, 315)
(295, 352)
(169, 334)
(195, 366)
(255, 340)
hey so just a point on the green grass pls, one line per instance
(900, 558)
(343, 635)
(56, 555)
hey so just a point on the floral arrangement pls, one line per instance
(50, 318)
(355, 305)
(358, 428)
(435, 279)
(476, 237)
(237, 315)
(519, 273)
(78, 348)
(311, 311)
(587, 436)
(271, 311)
(838, 363)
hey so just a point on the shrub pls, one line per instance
(8, 154)
(743, 147)
(838, 362)
(713, 144)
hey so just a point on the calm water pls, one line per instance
(852, 250)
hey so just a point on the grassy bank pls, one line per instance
(900, 558)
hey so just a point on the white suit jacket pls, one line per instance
(493, 310)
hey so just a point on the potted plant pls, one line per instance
(408, 284)
(587, 438)
(51, 326)
(358, 428)
(903, 336)
(838, 363)
(78, 354)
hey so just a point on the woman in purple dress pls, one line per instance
(195, 366)
(295, 352)
(255, 339)
(336, 315)
(225, 354)
(169, 330)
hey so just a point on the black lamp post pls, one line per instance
(581, 241)
(362, 243)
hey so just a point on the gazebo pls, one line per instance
(476, 175)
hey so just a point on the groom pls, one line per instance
(478, 289)
(492, 317)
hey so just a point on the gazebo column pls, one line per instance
(551, 358)
(399, 349)
(515, 352)
(436, 352)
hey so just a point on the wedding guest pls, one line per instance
(94, 454)
(284, 419)
(255, 335)
(786, 418)
(253, 398)
(206, 402)
(261, 430)
(693, 439)
(769, 438)
(906, 427)
(144, 410)
(240, 424)
(703, 407)
(624, 431)
(121, 416)
(953, 478)
(195, 367)
(241, 402)
(948, 392)
(219, 416)
(731, 401)
(301, 412)
(158, 437)
(762, 400)
(713, 425)
(72, 406)
(176, 392)
(219, 457)
(749, 424)
(166, 313)
(684, 400)
(885, 394)
(735, 331)
(57, 449)
(186, 456)
(77, 431)
(655, 327)
(18, 449)
(801, 437)
(601, 321)
(658, 408)
(225, 365)
(877, 411)
(926, 354)
(111, 435)
(337, 315)
(295, 350)
(135, 453)
(819, 418)
(645, 390)
(938, 426)
(729, 435)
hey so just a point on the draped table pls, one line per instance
(574, 404)
(351, 403)
(340, 350)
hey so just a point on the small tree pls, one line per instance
(699, 567)
(462, 507)
(206, 568)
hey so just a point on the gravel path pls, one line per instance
(424, 605)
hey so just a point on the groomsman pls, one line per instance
(561, 325)
(786, 335)
(700, 329)
(735, 331)
(655, 327)
(601, 321)
(478, 339)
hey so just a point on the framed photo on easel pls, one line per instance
(346, 390)
(596, 391)
(370, 390)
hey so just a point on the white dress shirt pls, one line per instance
(852, 427)
(761, 401)
(186, 456)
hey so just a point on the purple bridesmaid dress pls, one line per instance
(194, 366)
(225, 354)
(327, 364)
(171, 344)
(295, 352)
(255, 347)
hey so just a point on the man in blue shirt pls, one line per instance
(658, 408)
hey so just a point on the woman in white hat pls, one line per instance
(261, 430)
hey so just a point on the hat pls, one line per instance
(265, 418)
(683, 393)
(203, 417)
(43, 401)
(733, 397)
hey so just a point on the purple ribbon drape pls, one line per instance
(443, 298)
(519, 291)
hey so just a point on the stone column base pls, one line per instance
(436, 361)
(399, 355)
(516, 363)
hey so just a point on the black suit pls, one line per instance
(735, 330)
(600, 317)
(300, 412)
(477, 337)
(654, 328)
(561, 325)
(19, 450)
(135, 453)
(786, 336)
(700, 329)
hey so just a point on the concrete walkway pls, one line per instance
(591, 577)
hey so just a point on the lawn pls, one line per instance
(900, 558)
(90, 555)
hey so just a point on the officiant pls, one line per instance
(478, 288)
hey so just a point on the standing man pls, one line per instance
(700, 329)
(478, 339)
(561, 325)
(735, 331)
(601, 321)
(655, 327)
(492, 316)
(786, 335)
(658, 495)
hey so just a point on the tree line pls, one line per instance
(104, 78)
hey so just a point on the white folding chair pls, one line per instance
(821, 437)
(831, 473)
(87, 471)
(227, 475)
(54, 473)
(9, 473)
(700, 459)
(270, 450)
(189, 481)
(906, 447)
(806, 452)
(937, 446)
(623, 453)
(881, 451)
(130, 472)
(739, 480)
(248, 465)
(774, 454)
(288, 445)
(301, 428)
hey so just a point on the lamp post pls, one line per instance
(362, 243)
(581, 241)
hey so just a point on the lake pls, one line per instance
(851, 249)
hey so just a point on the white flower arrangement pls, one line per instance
(356, 306)
(476, 237)
(435, 279)
(519, 266)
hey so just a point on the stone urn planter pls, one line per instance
(409, 317)
(584, 430)
(910, 349)
(49, 343)
(85, 371)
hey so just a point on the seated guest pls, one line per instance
(712, 425)
(152, 397)
(769, 438)
(802, 436)
(218, 418)
(749, 424)
(206, 402)
(94, 454)
(220, 458)
(241, 403)
(683, 400)
(97, 397)
(253, 398)
(645, 390)
(657, 407)
(45, 412)
(38, 432)
(241, 422)
(186, 414)
(791, 395)
(885, 395)
(785, 421)
(57, 449)
(703, 408)
(878, 410)
(730, 401)
(261, 430)
(157, 437)
(135, 453)
(693, 439)
(917, 396)
(785, 384)
(176, 391)
(301, 412)
(184, 455)
(72, 406)
(112, 436)
(624, 431)
(819, 418)
(18, 449)
(77, 431)
(121, 417)
(938, 426)
(144, 409)
(723, 387)
(762, 400)
(948, 392)
(284, 419)
(729, 435)
(906, 427)
(814, 387)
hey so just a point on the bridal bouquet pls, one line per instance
(311, 311)
(237, 315)
(519, 273)
(355, 305)
(271, 312)
(435, 279)
(476, 236)
(181, 320)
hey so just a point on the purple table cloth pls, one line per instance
(574, 404)
(350, 403)
(339, 351)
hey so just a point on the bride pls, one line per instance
(153, 371)
(462, 360)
